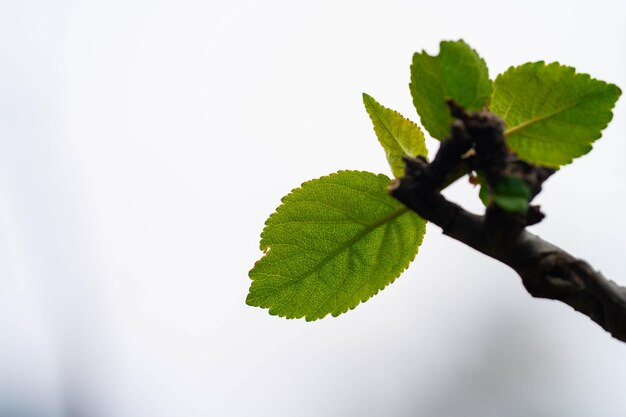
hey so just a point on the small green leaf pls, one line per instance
(333, 243)
(483, 192)
(398, 135)
(512, 194)
(457, 73)
(552, 114)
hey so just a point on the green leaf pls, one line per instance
(398, 135)
(457, 73)
(332, 244)
(552, 114)
(483, 193)
(512, 194)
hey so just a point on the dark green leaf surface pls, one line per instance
(333, 243)
(552, 114)
(483, 194)
(512, 194)
(457, 73)
(398, 135)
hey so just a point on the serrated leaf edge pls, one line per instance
(394, 215)
(581, 75)
(372, 108)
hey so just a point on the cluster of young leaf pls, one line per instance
(338, 240)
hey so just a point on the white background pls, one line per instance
(143, 144)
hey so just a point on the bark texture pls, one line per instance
(477, 144)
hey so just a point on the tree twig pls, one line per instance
(546, 270)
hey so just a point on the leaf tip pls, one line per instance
(369, 102)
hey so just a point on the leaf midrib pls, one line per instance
(539, 119)
(370, 228)
(388, 128)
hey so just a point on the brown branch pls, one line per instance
(546, 270)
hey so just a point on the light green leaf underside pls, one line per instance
(457, 73)
(552, 114)
(398, 135)
(333, 243)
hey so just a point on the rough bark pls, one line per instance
(477, 144)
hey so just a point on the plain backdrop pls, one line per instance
(144, 143)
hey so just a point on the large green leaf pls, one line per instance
(398, 135)
(332, 244)
(552, 114)
(457, 73)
